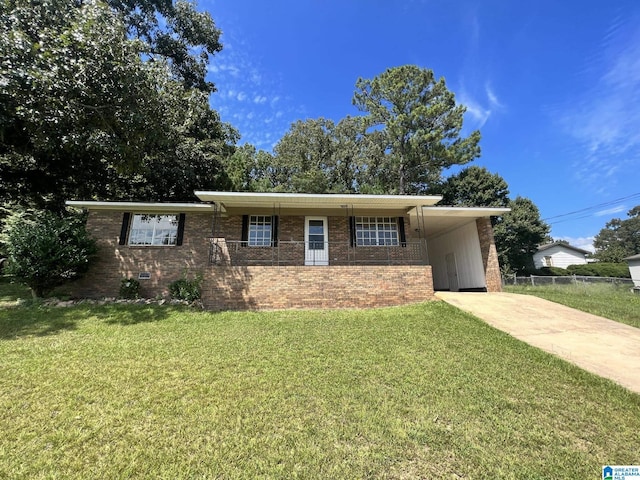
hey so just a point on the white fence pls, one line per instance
(539, 280)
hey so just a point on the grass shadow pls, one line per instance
(19, 321)
(26, 321)
(132, 314)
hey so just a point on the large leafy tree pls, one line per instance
(319, 156)
(251, 170)
(305, 156)
(90, 110)
(314, 156)
(474, 187)
(619, 238)
(417, 123)
(174, 32)
(518, 234)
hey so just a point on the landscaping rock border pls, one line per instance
(56, 302)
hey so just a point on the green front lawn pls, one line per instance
(426, 391)
(610, 301)
(11, 292)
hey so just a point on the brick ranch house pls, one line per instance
(284, 250)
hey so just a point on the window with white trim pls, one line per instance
(259, 231)
(376, 231)
(154, 230)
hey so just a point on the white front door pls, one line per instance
(316, 241)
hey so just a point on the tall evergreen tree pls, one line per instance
(417, 123)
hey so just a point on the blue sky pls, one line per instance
(553, 86)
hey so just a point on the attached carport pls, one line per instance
(460, 247)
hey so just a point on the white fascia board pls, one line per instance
(308, 200)
(141, 206)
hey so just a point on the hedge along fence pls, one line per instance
(540, 280)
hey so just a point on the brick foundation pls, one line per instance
(267, 287)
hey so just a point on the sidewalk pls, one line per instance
(598, 345)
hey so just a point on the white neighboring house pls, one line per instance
(559, 254)
(634, 268)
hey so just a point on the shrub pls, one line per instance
(185, 289)
(46, 250)
(552, 271)
(600, 269)
(129, 288)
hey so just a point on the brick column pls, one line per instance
(489, 255)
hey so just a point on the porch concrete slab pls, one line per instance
(599, 345)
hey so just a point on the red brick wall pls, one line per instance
(254, 287)
(165, 264)
(489, 255)
(291, 229)
(262, 287)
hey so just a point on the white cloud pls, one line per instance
(586, 243)
(249, 96)
(481, 105)
(494, 102)
(604, 120)
(226, 68)
(611, 211)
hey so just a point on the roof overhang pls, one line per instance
(141, 206)
(468, 212)
(566, 246)
(441, 220)
(293, 201)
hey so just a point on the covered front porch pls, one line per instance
(316, 230)
(315, 253)
(345, 250)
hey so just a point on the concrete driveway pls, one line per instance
(598, 345)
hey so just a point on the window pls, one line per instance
(154, 230)
(316, 235)
(548, 261)
(259, 231)
(376, 231)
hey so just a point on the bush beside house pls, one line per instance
(46, 250)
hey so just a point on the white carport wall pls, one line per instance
(464, 244)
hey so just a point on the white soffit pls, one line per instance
(441, 220)
(141, 206)
(316, 201)
(469, 212)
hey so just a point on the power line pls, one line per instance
(591, 208)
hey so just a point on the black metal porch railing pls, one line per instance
(237, 253)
